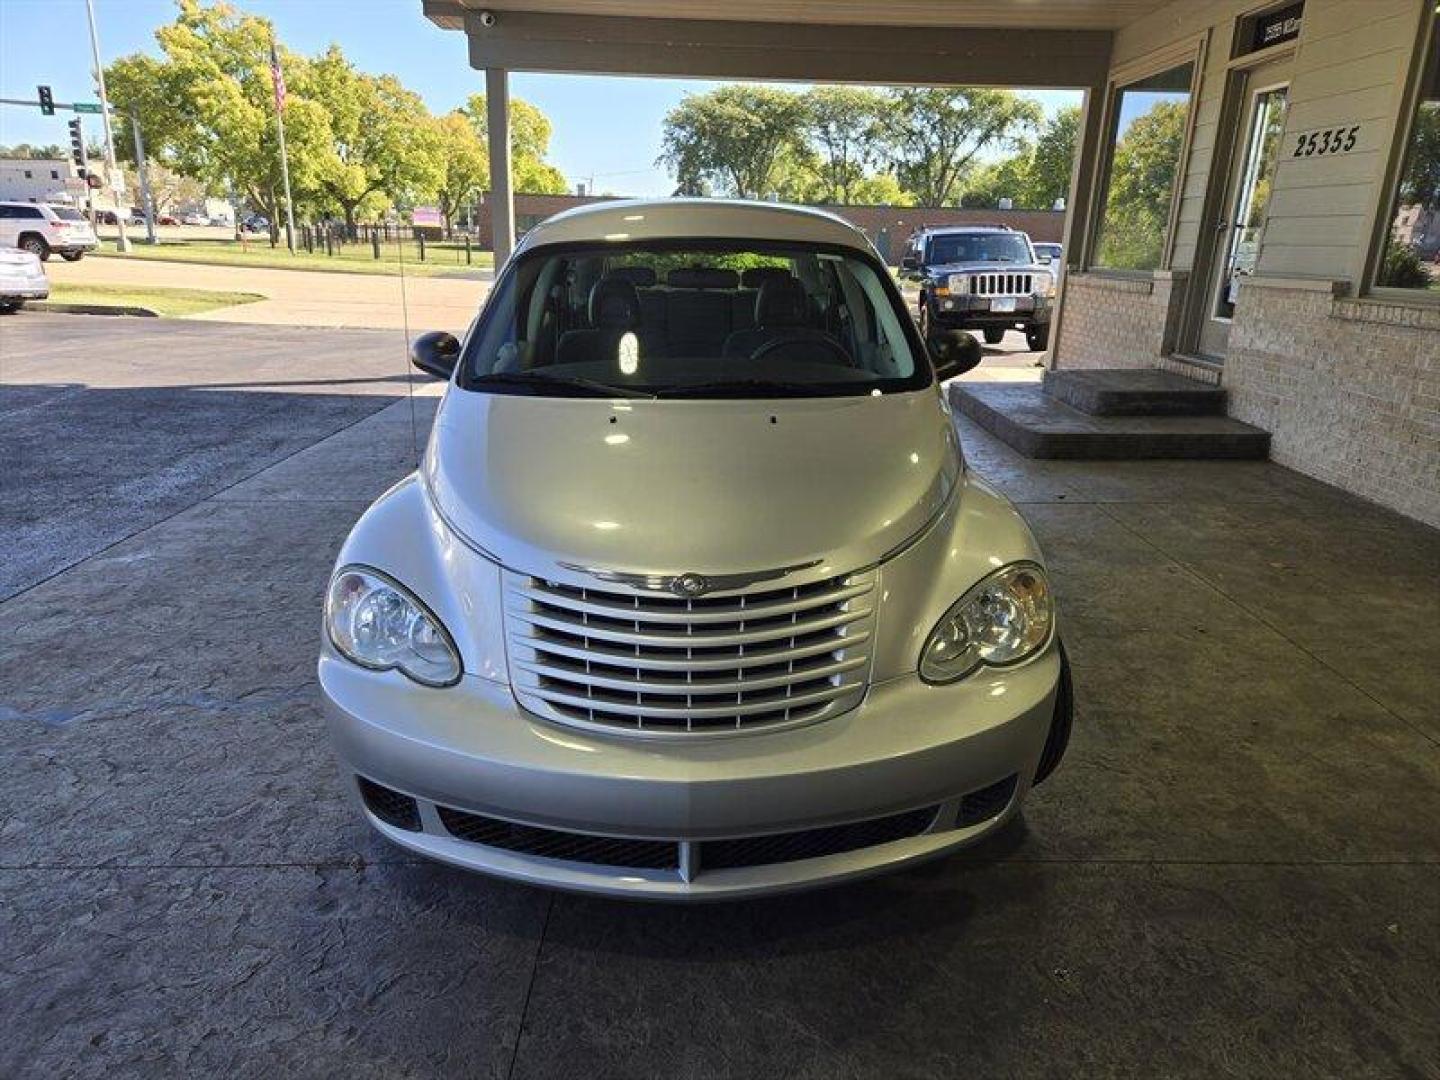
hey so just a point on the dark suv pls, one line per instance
(981, 277)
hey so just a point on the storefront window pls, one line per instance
(1412, 250)
(1145, 148)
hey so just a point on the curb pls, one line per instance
(60, 307)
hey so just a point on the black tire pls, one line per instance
(7, 306)
(1038, 337)
(993, 334)
(1060, 723)
(72, 256)
(36, 245)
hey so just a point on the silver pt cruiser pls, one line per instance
(693, 595)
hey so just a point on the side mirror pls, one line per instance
(909, 264)
(953, 352)
(1046, 260)
(436, 353)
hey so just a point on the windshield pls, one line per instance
(979, 247)
(64, 213)
(698, 319)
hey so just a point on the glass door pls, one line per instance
(1238, 235)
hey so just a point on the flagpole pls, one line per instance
(278, 78)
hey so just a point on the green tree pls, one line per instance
(844, 126)
(529, 144)
(207, 109)
(934, 136)
(1420, 181)
(464, 161)
(1050, 163)
(1142, 180)
(880, 189)
(741, 140)
(380, 139)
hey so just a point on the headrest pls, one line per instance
(642, 277)
(702, 277)
(614, 302)
(782, 302)
(756, 276)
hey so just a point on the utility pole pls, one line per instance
(117, 179)
(143, 174)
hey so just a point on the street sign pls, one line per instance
(47, 101)
(86, 107)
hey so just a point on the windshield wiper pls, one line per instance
(752, 388)
(556, 385)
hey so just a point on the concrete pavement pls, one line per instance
(1235, 872)
(297, 297)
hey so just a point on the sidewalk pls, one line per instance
(298, 297)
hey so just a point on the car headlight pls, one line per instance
(377, 623)
(1003, 620)
(959, 284)
(1044, 283)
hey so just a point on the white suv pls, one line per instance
(41, 229)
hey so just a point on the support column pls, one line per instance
(1081, 204)
(497, 129)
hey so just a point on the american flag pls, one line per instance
(277, 77)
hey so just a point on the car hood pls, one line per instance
(944, 269)
(548, 485)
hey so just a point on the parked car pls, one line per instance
(981, 277)
(195, 219)
(693, 595)
(21, 278)
(255, 223)
(218, 222)
(166, 219)
(41, 229)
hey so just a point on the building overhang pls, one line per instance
(1059, 43)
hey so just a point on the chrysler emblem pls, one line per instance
(689, 585)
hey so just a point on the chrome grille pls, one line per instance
(1001, 284)
(652, 664)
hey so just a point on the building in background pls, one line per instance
(40, 180)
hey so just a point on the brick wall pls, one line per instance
(1114, 322)
(1348, 389)
(1044, 226)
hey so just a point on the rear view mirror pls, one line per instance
(953, 352)
(436, 353)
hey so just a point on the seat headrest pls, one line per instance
(702, 277)
(642, 277)
(755, 276)
(614, 302)
(782, 302)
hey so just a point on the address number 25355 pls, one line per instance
(1324, 141)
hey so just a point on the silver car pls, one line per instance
(692, 595)
(22, 278)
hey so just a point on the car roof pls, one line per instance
(690, 219)
(948, 230)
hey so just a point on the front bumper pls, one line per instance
(908, 749)
(978, 311)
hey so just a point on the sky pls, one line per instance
(606, 130)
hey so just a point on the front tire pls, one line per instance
(993, 335)
(72, 256)
(8, 306)
(1038, 337)
(36, 246)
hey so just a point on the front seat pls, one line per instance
(614, 309)
(782, 310)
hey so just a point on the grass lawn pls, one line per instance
(357, 258)
(163, 301)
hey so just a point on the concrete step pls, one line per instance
(1134, 392)
(1040, 426)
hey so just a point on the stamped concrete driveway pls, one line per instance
(1235, 873)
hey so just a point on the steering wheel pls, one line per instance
(775, 344)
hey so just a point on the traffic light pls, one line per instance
(77, 146)
(47, 101)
